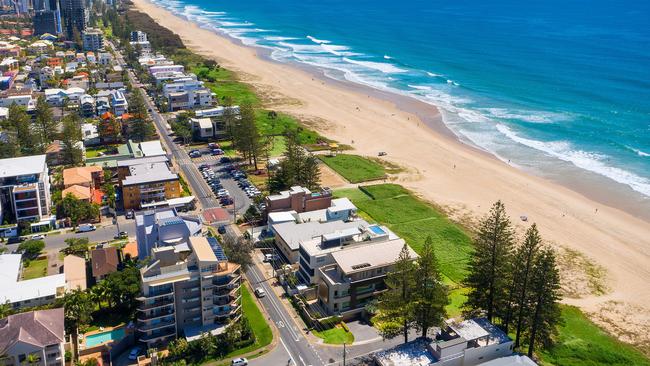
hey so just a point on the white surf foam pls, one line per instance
(526, 116)
(379, 66)
(582, 159)
(316, 40)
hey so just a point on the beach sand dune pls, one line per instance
(449, 173)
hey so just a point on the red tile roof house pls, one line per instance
(36, 332)
(104, 261)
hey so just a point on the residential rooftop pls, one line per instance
(293, 234)
(364, 257)
(24, 165)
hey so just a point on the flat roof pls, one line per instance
(341, 204)
(151, 148)
(148, 173)
(145, 160)
(514, 360)
(13, 290)
(74, 269)
(283, 216)
(293, 233)
(202, 249)
(362, 257)
(24, 165)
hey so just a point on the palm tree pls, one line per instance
(99, 292)
(32, 359)
(78, 307)
(5, 310)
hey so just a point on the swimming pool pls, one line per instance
(377, 230)
(99, 338)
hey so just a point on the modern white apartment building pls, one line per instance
(119, 103)
(188, 292)
(164, 227)
(24, 189)
(187, 92)
(93, 40)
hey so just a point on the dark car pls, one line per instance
(222, 229)
(226, 201)
(203, 166)
(224, 159)
(15, 240)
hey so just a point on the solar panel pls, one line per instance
(217, 249)
(359, 266)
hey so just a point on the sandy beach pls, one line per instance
(455, 176)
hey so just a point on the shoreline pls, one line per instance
(591, 185)
(454, 175)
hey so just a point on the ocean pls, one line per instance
(556, 87)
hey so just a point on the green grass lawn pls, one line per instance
(582, 343)
(413, 219)
(336, 335)
(36, 268)
(261, 329)
(93, 152)
(278, 145)
(354, 168)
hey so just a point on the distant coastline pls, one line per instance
(454, 175)
(590, 184)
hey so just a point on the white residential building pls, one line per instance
(119, 103)
(25, 188)
(93, 40)
(27, 293)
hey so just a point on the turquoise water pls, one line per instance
(558, 87)
(99, 338)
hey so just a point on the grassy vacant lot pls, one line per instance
(262, 331)
(414, 220)
(36, 268)
(354, 168)
(581, 343)
(93, 152)
(336, 335)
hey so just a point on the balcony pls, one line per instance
(161, 302)
(155, 315)
(144, 327)
(227, 282)
(159, 335)
(226, 292)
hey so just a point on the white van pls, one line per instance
(84, 228)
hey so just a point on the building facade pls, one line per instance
(93, 40)
(24, 189)
(40, 333)
(147, 182)
(191, 291)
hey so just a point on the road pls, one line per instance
(294, 348)
(190, 172)
(292, 340)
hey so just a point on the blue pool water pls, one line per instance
(556, 86)
(99, 338)
(377, 230)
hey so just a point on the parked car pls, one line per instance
(221, 229)
(135, 352)
(15, 240)
(122, 235)
(239, 362)
(84, 228)
(217, 152)
(227, 201)
(203, 166)
(271, 257)
(259, 292)
(224, 159)
(37, 237)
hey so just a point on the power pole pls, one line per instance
(344, 353)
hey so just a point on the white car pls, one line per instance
(259, 292)
(239, 362)
(37, 237)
